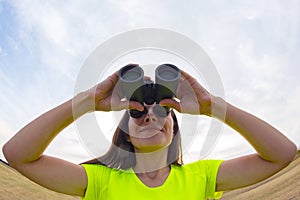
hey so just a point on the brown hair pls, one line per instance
(120, 155)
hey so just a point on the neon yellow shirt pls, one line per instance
(192, 181)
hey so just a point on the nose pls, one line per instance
(150, 117)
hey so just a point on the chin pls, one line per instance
(149, 149)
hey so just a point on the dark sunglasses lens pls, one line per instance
(135, 113)
(161, 111)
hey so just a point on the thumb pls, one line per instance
(172, 103)
(128, 105)
(136, 105)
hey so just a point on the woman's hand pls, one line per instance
(106, 96)
(193, 98)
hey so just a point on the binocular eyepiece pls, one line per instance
(134, 87)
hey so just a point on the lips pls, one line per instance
(154, 128)
(148, 131)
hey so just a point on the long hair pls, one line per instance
(121, 155)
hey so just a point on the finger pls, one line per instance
(136, 105)
(172, 103)
(184, 88)
(114, 78)
(125, 105)
(185, 75)
(190, 79)
(109, 83)
(192, 82)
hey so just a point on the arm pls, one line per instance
(274, 150)
(24, 153)
(25, 150)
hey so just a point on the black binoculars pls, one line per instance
(134, 87)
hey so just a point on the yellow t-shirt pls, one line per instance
(192, 181)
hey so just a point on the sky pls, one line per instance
(253, 44)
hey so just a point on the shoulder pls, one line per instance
(99, 178)
(205, 172)
(203, 164)
(200, 176)
(200, 168)
(93, 168)
(98, 170)
(203, 167)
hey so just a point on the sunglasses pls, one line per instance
(158, 110)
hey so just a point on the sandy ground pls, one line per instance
(284, 185)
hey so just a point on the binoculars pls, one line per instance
(134, 87)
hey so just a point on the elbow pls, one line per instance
(290, 154)
(5, 151)
(293, 152)
(8, 154)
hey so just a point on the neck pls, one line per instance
(151, 162)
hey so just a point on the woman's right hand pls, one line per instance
(107, 96)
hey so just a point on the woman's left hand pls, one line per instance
(193, 98)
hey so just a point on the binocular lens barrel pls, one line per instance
(166, 78)
(167, 72)
(131, 78)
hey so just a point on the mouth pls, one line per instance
(154, 128)
(147, 132)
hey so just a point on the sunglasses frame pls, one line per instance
(158, 110)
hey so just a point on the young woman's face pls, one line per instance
(150, 132)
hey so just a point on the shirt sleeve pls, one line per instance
(95, 174)
(212, 169)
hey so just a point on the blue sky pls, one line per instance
(254, 45)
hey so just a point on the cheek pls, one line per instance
(133, 124)
(169, 126)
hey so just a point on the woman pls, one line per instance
(144, 161)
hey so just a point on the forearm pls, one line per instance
(32, 140)
(269, 143)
